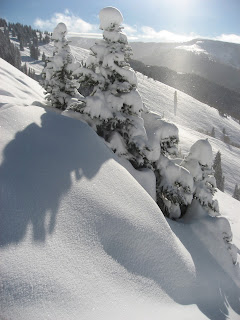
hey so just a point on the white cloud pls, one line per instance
(129, 29)
(73, 23)
(84, 35)
(144, 33)
(229, 38)
(149, 34)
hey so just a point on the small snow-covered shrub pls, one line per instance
(174, 184)
(58, 81)
(199, 163)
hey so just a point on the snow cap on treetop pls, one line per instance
(201, 150)
(59, 31)
(110, 17)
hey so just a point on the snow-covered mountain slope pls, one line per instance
(37, 65)
(216, 61)
(81, 239)
(223, 52)
(213, 60)
(16, 88)
(191, 113)
(192, 117)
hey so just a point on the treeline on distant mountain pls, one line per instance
(27, 37)
(227, 102)
(8, 51)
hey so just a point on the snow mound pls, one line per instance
(110, 17)
(73, 242)
(72, 239)
(59, 31)
(201, 150)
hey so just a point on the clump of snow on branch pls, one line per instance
(202, 151)
(174, 187)
(110, 17)
(162, 135)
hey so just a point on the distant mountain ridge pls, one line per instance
(216, 61)
(207, 70)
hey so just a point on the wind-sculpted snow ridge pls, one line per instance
(81, 239)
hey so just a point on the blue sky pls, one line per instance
(148, 20)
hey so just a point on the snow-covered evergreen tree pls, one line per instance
(43, 57)
(199, 162)
(226, 137)
(175, 103)
(218, 174)
(236, 193)
(114, 107)
(58, 81)
(213, 134)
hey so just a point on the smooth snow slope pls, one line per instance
(81, 239)
(16, 88)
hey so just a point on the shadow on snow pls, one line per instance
(36, 173)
